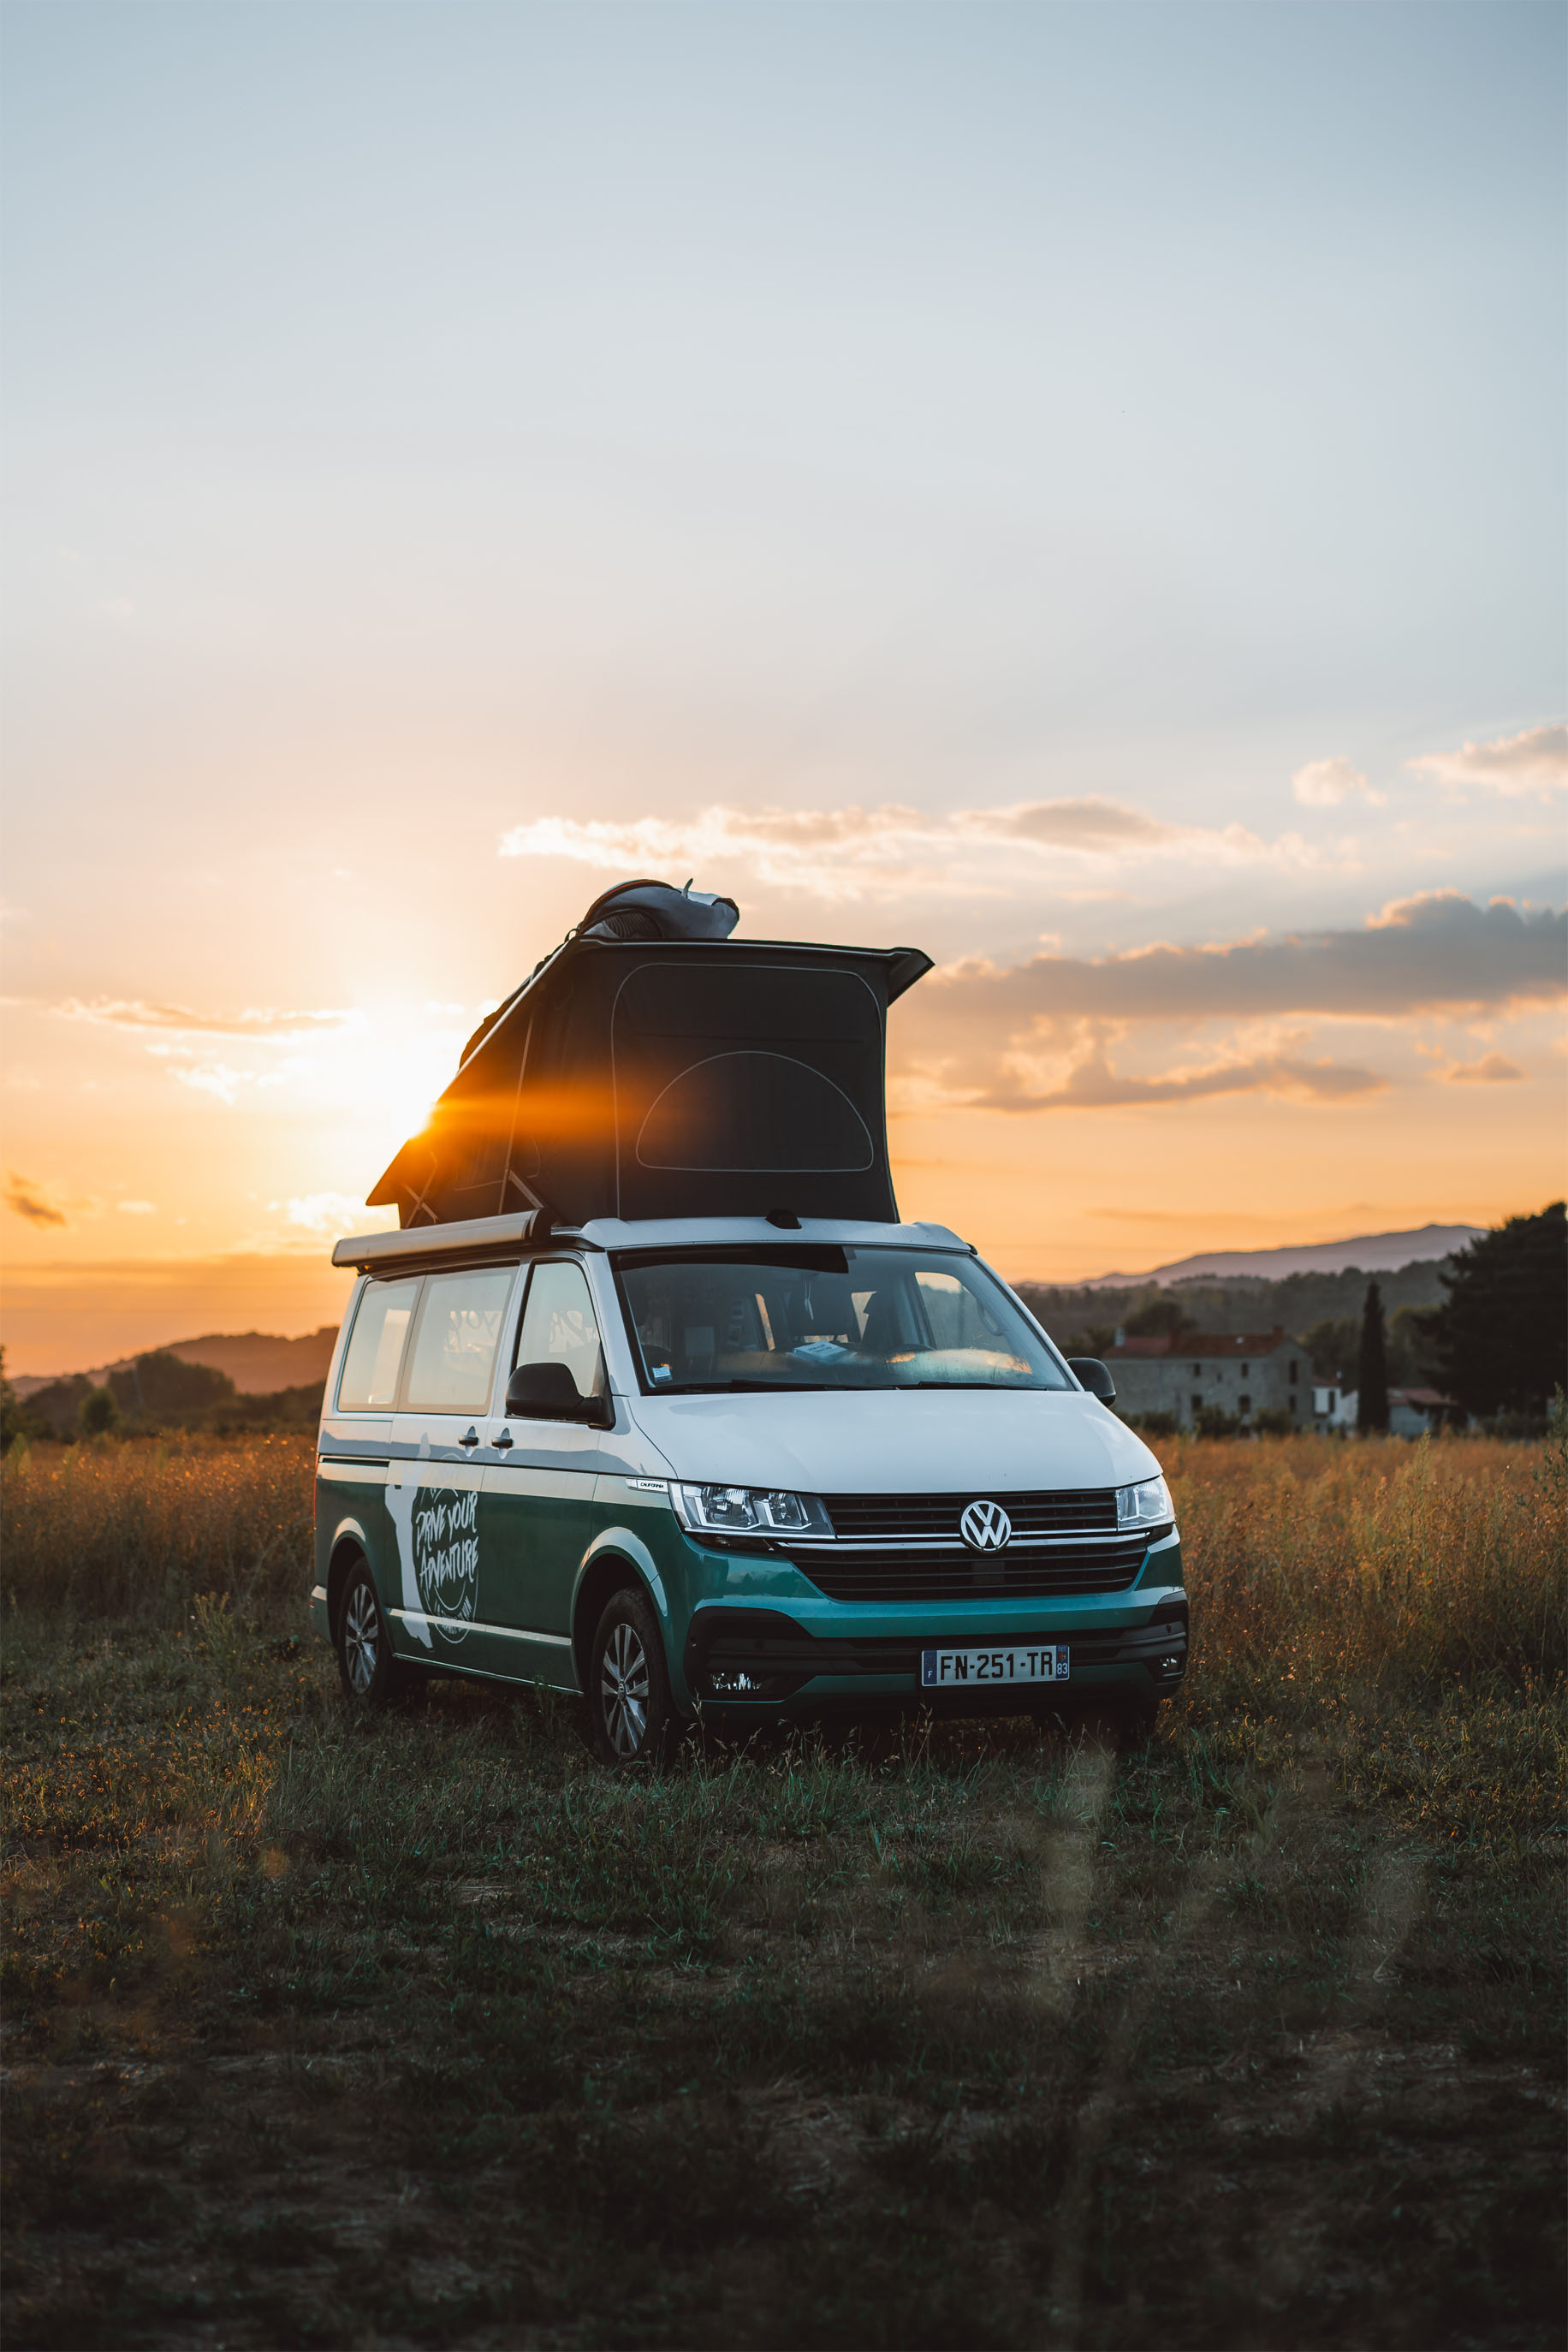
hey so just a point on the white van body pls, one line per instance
(959, 1545)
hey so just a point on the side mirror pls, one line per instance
(547, 1391)
(1095, 1376)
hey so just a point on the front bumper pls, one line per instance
(747, 1658)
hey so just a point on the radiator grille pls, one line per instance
(1080, 1511)
(844, 1573)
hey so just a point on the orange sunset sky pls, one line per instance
(1078, 490)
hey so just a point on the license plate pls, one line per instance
(967, 1669)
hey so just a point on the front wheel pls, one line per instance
(368, 1671)
(630, 1705)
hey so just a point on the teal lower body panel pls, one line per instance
(352, 1522)
(795, 1652)
(749, 1634)
(497, 1652)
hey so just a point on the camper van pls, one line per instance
(732, 1439)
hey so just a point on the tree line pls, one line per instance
(1488, 1328)
(155, 1391)
(1496, 1341)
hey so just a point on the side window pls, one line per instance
(369, 1380)
(455, 1338)
(558, 1325)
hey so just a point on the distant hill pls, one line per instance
(1372, 1253)
(159, 1391)
(259, 1363)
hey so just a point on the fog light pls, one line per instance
(730, 1683)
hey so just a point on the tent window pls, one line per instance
(754, 1112)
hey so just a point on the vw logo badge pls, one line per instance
(985, 1526)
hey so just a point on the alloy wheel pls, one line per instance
(361, 1638)
(624, 1689)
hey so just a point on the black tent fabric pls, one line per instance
(632, 910)
(668, 1076)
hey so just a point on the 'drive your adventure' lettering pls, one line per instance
(447, 1552)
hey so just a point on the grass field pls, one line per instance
(431, 2032)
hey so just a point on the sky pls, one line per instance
(1078, 489)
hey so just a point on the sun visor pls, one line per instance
(668, 1077)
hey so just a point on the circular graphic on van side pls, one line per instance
(446, 1556)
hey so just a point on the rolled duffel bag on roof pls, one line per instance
(677, 1071)
(653, 910)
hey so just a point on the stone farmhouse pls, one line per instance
(1412, 1412)
(1241, 1373)
(1334, 1406)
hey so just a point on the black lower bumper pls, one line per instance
(750, 1655)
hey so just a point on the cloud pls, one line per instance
(1093, 1085)
(1036, 1037)
(328, 1212)
(137, 1208)
(1437, 950)
(24, 1199)
(217, 1078)
(261, 1023)
(1091, 825)
(855, 852)
(1491, 1070)
(1515, 765)
(1324, 783)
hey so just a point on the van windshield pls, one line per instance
(827, 1318)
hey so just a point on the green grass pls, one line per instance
(430, 2031)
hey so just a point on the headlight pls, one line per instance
(1147, 1505)
(749, 1511)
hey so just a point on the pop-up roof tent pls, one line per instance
(652, 1067)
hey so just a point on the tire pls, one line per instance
(370, 1675)
(630, 1711)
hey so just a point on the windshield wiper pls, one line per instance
(749, 1388)
(1015, 1387)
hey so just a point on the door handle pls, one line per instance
(503, 1443)
(469, 1437)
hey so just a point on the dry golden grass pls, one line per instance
(1319, 1571)
(1323, 1570)
(137, 1528)
(429, 2030)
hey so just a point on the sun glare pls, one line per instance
(391, 1075)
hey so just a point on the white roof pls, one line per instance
(499, 1236)
(700, 1233)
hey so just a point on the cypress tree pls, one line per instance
(1372, 1382)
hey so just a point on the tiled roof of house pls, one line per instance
(1239, 1345)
